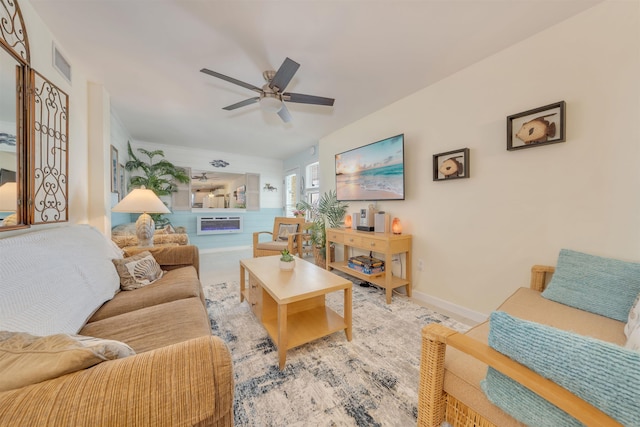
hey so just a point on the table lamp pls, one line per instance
(9, 202)
(144, 201)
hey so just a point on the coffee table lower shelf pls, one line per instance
(306, 326)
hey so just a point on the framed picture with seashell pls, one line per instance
(451, 165)
(540, 126)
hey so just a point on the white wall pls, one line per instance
(479, 237)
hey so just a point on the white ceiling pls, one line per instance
(365, 54)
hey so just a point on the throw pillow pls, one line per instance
(285, 229)
(28, 359)
(601, 373)
(632, 328)
(595, 284)
(138, 270)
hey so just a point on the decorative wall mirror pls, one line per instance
(33, 133)
(14, 63)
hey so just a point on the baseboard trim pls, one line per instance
(456, 309)
(227, 249)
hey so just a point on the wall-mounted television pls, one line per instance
(372, 172)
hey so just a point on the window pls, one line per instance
(312, 178)
(290, 192)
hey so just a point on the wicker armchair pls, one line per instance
(287, 234)
(435, 405)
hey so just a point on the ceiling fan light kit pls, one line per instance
(271, 103)
(272, 97)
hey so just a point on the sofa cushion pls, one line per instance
(174, 285)
(603, 374)
(463, 373)
(599, 285)
(272, 246)
(156, 326)
(28, 359)
(54, 279)
(137, 271)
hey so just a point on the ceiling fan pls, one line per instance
(272, 95)
(201, 178)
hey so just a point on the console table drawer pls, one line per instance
(334, 237)
(374, 244)
(352, 241)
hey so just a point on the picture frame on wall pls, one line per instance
(451, 165)
(540, 126)
(114, 169)
(122, 181)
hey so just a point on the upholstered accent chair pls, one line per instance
(287, 234)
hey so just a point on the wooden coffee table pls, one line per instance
(291, 304)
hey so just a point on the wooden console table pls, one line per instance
(382, 243)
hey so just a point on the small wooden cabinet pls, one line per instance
(385, 244)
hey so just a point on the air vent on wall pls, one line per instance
(61, 64)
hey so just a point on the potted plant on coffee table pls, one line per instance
(287, 261)
(326, 212)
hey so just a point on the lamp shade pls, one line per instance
(141, 200)
(8, 197)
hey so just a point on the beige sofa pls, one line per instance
(453, 364)
(180, 375)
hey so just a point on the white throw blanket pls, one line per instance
(53, 280)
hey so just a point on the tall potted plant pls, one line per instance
(161, 177)
(326, 212)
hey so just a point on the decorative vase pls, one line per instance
(287, 265)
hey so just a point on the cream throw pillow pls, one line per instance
(285, 229)
(28, 359)
(632, 328)
(138, 271)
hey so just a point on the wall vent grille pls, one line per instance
(61, 64)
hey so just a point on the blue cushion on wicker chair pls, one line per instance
(604, 374)
(595, 284)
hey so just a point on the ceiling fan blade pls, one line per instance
(284, 114)
(307, 99)
(284, 75)
(231, 80)
(242, 103)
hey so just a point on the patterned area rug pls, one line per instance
(370, 381)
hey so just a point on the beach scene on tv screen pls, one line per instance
(372, 172)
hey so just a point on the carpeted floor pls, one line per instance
(370, 381)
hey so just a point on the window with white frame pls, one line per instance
(312, 180)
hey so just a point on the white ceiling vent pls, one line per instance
(61, 64)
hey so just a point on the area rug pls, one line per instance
(370, 381)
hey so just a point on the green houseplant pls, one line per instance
(326, 212)
(161, 177)
(287, 261)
